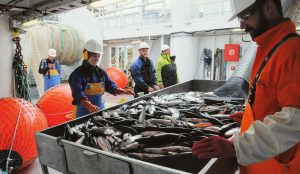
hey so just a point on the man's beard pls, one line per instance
(144, 56)
(262, 26)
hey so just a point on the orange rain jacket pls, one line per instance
(278, 87)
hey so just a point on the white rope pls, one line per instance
(13, 139)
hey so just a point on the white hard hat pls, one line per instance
(238, 6)
(93, 46)
(143, 45)
(52, 52)
(164, 47)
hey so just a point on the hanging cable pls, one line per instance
(20, 70)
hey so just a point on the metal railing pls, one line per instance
(135, 20)
(129, 18)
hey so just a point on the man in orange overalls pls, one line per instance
(268, 142)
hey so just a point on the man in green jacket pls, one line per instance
(166, 71)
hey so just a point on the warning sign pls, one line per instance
(232, 52)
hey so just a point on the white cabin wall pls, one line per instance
(6, 56)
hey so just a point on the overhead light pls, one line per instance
(95, 4)
(136, 42)
(238, 30)
(98, 4)
(30, 23)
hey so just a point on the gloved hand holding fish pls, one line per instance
(213, 147)
(119, 91)
(237, 116)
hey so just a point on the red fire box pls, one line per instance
(232, 52)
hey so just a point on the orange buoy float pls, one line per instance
(118, 76)
(20, 119)
(56, 104)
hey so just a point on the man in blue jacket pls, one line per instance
(143, 72)
(89, 82)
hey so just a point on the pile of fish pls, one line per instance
(159, 126)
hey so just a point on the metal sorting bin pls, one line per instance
(69, 157)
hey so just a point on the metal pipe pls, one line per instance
(286, 5)
(244, 67)
(238, 84)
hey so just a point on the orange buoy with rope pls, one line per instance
(118, 76)
(56, 104)
(20, 119)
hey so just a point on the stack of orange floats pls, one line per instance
(32, 119)
(56, 104)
